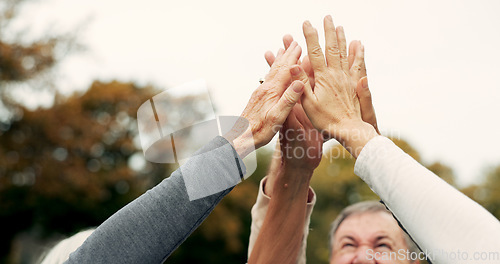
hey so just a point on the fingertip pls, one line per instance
(362, 88)
(287, 39)
(364, 82)
(299, 49)
(269, 56)
(295, 70)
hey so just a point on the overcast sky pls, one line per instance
(432, 65)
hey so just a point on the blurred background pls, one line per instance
(73, 74)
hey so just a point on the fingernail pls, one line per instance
(329, 17)
(295, 70)
(364, 82)
(297, 86)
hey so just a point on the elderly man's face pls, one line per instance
(369, 238)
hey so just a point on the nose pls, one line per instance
(365, 255)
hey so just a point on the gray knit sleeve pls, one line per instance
(150, 228)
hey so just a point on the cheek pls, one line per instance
(340, 258)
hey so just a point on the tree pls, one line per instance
(66, 167)
(27, 62)
(71, 166)
(487, 193)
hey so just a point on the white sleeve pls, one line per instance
(259, 211)
(446, 224)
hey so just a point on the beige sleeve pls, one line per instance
(448, 226)
(259, 211)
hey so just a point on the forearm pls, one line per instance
(436, 215)
(279, 240)
(151, 227)
(259, 212)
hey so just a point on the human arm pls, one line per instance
(439, 217)
(280, 229)
(357, 66)
(261, 207)
(148, 229)
(278, 239)
(151, 227)
(259, 211)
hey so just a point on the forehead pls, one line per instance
(368, 226)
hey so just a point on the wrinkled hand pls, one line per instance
(269, 104)
(362, 89)
(306, 64)
(333, 106)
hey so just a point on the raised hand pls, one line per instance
(269, 104)
(333, 106)
(306, 64)
(359, 74)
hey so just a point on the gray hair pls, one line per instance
(365, 207)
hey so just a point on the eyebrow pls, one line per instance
(380, 237)
(348, 237)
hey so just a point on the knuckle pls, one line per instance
(356, 68)
(273, 119)
(288, 99)
(333, 50)
(343, 54)
(258, 93)
(316, 51)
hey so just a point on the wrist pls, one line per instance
(354, 135)
(294, 169)
(290, 181)
(287, 180)
(243, 144)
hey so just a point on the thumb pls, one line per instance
(365, 103)
(289, 98)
